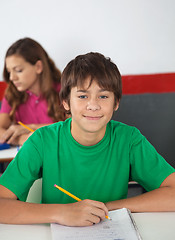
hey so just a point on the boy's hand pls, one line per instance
(83, 213)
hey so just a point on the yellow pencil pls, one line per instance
(73, 196)
(22, 124)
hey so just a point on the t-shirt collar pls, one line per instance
(33, 95)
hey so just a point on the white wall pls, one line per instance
(139, 35)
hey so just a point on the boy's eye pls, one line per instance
(103, 97)
(82, 96)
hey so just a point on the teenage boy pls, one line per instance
(89, 155)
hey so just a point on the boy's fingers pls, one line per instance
(100, 213)
(98, 208)
(100, 205)
(94, 219)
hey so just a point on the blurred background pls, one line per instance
(138, 35)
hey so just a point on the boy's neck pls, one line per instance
(88, 139)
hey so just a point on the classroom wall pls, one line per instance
(138, 35)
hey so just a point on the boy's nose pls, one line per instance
(93, 105)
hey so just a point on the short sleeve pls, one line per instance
(5, 107)
(25, 168)
(148, 167)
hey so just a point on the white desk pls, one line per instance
(152, 226)
(25, 232)
(8, 154)
(156, 226)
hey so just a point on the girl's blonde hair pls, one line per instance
(31, 51)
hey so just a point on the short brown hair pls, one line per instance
(95, 66)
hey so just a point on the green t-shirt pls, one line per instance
(100, 172)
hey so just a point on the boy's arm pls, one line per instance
(161, 199)
(83, 213)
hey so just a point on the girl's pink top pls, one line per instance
(34, 110)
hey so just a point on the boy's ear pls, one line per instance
(39, 66)
(116, 106)
(66, 105)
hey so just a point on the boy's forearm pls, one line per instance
(158, 200)
(83, 213)
(17, 212)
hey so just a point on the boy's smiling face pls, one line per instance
(91, 109)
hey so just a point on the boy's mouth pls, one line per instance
(93, 117)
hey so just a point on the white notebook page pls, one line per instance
(121, 227)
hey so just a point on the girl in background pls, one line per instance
(32, 94)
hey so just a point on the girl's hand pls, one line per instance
(84, 213)
(12, 133)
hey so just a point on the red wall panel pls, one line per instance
(148, 83)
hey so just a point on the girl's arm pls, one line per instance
(161, 199)
(14, 134)
(83, 213)
(5, 123)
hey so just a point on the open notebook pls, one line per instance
(121, 227)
